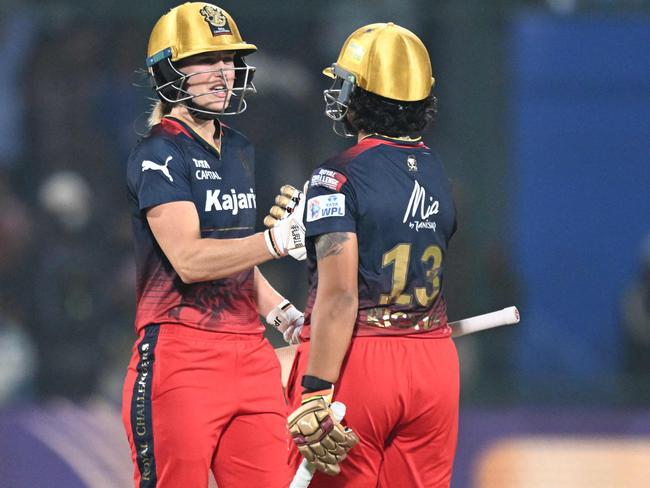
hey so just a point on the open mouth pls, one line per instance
(219, 91)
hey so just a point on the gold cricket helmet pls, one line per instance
(387, 60)
(194, 28)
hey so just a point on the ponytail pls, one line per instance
(158, 110)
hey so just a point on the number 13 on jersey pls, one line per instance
(400, 257)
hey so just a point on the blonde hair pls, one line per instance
(158, 110)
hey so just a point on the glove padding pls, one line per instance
(320, 438)
(286, 231)
(288, 320)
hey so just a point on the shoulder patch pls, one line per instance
(324, 206)
(327, 178)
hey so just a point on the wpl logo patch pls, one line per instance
(324, 206)
(216, 19)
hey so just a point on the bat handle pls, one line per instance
(338, 409)
(303, 476)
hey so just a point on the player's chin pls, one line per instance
(216, 103)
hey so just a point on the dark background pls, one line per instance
(543, 125)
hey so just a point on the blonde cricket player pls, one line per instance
(203, 392)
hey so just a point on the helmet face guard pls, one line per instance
(169, 83)
(337, 99)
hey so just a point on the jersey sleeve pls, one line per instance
(157, 174)
(331, 204)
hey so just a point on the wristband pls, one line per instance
(313, 383)
(271, 245)
(277, 315)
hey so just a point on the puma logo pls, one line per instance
(160, 167)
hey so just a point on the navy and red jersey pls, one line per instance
(173, 164)
(394, 195)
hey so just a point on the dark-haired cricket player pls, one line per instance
(378, 220)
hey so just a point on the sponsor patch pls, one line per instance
(332, 180)
(420, 209)
(325, 206)
(232, 202)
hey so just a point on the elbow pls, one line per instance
(186, 272)
(351, 300)
(193, 274)
(185, 278)
(185, 275)
(345, 301)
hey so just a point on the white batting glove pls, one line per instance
(286, 231)
(288, 320)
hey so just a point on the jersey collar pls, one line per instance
(181, 126)
(399, 141)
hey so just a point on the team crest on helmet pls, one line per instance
(216, 19)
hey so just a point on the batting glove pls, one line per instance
(321, 439)
(288, 320)
(286, 231)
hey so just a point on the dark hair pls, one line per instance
(372, 113)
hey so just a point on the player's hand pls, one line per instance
(288, 320)
(320, 438)
(286, 231)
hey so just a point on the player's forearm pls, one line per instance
(332, 324)
(265, 295)
(212, 259)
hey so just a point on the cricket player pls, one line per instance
(203, 389)
(378, 218)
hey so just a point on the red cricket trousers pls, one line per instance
(401, 395)
(197, 400)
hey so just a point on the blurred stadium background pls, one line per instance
(544, 127)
